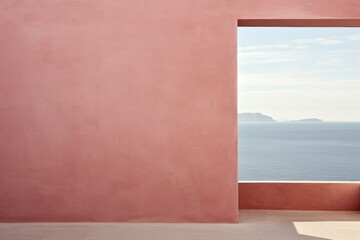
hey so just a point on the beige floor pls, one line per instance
(259, 225)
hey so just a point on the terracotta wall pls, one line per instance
(300, 196)
(125, 110)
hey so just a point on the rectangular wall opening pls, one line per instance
(298, 101)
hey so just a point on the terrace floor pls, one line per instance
(257, 225)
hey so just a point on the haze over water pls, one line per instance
(296, 73)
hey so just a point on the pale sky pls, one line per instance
(296, 73)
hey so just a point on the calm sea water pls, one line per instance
(299, 151)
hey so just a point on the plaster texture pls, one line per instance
(126, 110)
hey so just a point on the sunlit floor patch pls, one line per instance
(330, 230)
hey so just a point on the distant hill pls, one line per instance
(254, 117)
(259, 117)
(310, 120)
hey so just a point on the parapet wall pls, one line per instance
(300, 196)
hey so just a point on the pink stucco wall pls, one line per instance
(324, 196)
(125, 110)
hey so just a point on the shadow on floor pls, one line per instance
(253, 225)
(303, 225)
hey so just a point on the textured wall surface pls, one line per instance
(125, 110)
(300, 196)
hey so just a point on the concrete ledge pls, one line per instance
(327, 196)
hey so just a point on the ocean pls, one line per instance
(327, 151)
